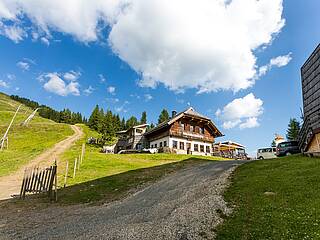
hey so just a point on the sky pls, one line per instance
(236, 61)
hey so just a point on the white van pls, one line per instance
(266, 153)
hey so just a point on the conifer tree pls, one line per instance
(164, 116)
(143, 119)
(293, 129)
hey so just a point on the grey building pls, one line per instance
(309, 138)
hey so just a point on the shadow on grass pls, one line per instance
(115, 187)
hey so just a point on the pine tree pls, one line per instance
(132, 121)
(143, 119)
(95, 119)
(123, 124)
(293, 129)
(164, 116)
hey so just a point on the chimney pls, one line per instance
(173, 113)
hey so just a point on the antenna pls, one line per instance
(26, 122)
(5, 136)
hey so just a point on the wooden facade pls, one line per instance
(187, 132)
(310, 74)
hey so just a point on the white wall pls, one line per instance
(179, 151)
(160, 140)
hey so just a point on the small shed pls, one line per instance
(230, 149)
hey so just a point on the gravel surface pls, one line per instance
(183, 205)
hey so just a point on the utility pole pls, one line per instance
(5, 136)
(26, 122)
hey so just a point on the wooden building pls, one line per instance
(309, 137)
(132, 139)
(188, 132)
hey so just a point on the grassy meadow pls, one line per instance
(25, 143)
(109, 176)
(274, 199)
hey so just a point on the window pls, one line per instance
(174, 144)
(191, 128)
(155, 145)
(208, 149)
(151, 145)
(160, 144)
(165, 143)
(182, 145)
(182, 126)
(201, 148)
(139, 130)
(196, 147)
(201, 130)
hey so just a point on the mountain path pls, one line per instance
(10, 185)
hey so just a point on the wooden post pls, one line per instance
(82, 152)
(56, 181)
(66, 174)
(75, 168)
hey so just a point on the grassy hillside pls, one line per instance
(275, 199)
(25, 143)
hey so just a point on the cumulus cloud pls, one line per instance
(111, 90)
(55, 84)
(279, 61)
(4, 84)
(203, 44)
(242, 112)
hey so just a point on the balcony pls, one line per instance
(190, 135)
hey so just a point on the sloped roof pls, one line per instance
(188, 112)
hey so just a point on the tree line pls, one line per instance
(105, 122)
(64, 116)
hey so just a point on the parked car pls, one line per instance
(266, 153)
(287, 148)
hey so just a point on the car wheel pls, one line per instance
(260, 158)
(288, 154)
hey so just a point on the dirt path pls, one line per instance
(10, 185)
(184, 205)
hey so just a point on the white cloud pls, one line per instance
(242, 112)
(55, 84)
(23, 65)
(11, 76)
(15, 33)
(148, 97)
(72, 76)
(112, 100)
(4, 84)
(205, 44)
(111, 90)
(88, 91)
(45, 41)
(102, 78)
(279, 61)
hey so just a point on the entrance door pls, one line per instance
(188, 148)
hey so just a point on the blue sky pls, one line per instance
(115, 84)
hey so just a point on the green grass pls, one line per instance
(292, 212)
(107, 172)
(25, 143)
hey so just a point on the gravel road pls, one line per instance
(183, 205)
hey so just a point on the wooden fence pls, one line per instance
(40, 180)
